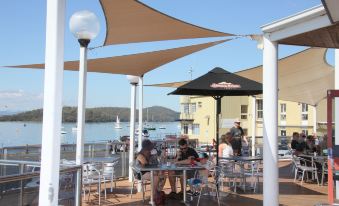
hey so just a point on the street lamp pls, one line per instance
(85, 26)
(134, 81)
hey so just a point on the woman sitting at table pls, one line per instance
(143, 159)
(225, 148)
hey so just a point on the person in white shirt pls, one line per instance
(225, 148)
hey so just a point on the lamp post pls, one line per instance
(85, 26)
(134, 81)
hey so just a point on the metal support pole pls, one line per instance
(132, 130)
(254, 128)
(52, 110)
(270, 105)
(141, 99)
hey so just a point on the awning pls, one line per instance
(135, 64)
(131, 21)
(303, 77)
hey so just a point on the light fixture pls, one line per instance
(85, 26)
(133, 79)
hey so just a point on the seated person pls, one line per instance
(202, 175)
(294, 143)
(143, 159)
(184, 156)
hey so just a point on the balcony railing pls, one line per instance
(185, 116)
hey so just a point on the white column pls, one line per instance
(132, 130)
(254, 117)
(315, 119)
(52, 111)
(336, 109)
(141, 99)
(81, 118)
(336, 86)
(270, 111)
(81, 106)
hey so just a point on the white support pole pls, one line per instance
(52, 111)
(336, 86)
(141, 99)
(132, 130)
(270, 111)
(336, 109)
(81, 106)
(315, 119)
(254, 117)
(81, 118)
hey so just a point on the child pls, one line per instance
(202, 176)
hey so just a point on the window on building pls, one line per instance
(283, 132)
(193, 107)
(304, 112)
(185, 128)
(282, 108)
(305, 131)
(196, 129)
(199, 104)
(304, 107)
(185, 108)
(259, 109)
(243, 111)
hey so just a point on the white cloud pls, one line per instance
(19, 100)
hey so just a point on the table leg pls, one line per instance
(151, 202)
(184, 185)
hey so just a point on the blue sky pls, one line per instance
(23, 42)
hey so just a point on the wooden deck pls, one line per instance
(290, 194)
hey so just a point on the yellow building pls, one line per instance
(198, 116)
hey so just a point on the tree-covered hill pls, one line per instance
(99, 114)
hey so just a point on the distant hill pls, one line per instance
(99, 114)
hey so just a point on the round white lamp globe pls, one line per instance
(133, 79)
(84, 25)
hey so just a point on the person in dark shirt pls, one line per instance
(294, 143)
(237, 135)
(184, 156)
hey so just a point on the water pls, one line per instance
(22, 133)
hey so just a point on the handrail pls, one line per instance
(18, 177)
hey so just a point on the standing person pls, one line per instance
(237, 135)
(295, 138)
(185, 156)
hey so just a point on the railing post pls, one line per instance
(21, 199)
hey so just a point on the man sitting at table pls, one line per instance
(184, 156)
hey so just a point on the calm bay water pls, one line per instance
(22, 133)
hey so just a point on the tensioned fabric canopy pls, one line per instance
(303, 77)
(135, 64)
(131, 21)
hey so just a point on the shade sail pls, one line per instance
(303, 77)
(219, 82)
(132, 21)
(169, 84)
(135, 64)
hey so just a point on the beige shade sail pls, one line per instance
(303, 77)
(131, 21)
(169, 84)
(135, 64)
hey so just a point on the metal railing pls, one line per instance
(23, 188)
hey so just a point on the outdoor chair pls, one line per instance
(228, 172)
(137, 178)
(91, 176)
(108, 173)
(301, 167)
(211, 186)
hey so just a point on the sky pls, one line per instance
(23, 42)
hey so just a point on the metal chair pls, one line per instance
(91, 176)
(301, 167)
(108, 173)
(137, 177)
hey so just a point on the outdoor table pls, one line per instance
(101, 159)
(173, 167)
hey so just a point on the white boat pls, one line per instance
(117, 123)
(162, 127)
(63, 132)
